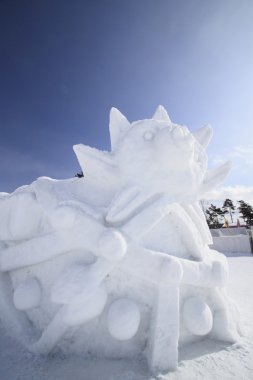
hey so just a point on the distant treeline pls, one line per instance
(219, 216)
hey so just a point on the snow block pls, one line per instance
(234, 244)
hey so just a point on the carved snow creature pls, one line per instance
(117, 264)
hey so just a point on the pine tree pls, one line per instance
(211, 219)
(228, 205)
(246, 211)
(213, 216)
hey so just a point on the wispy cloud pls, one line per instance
(244, 153)
(235, 193)
(240, 155)
(242, 158)
(218, 159)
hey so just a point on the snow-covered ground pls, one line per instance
(206, 360)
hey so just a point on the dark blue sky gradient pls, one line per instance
(65, 63)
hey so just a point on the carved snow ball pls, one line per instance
(197, 316)
(123, 319)
(112, 245)
(27, 295)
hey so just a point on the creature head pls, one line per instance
(157, 156)
(161, 157)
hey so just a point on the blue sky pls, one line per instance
(64, 64)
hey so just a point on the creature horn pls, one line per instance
(118, 126)
(204, 135)
(96, 164)
(216, 176)
(161, 114)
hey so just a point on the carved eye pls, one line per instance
(148, 135)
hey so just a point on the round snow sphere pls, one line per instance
(197, 316)
(123, 319)
(27, 295)
(112, 245)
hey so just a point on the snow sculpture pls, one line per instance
(117, 263)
